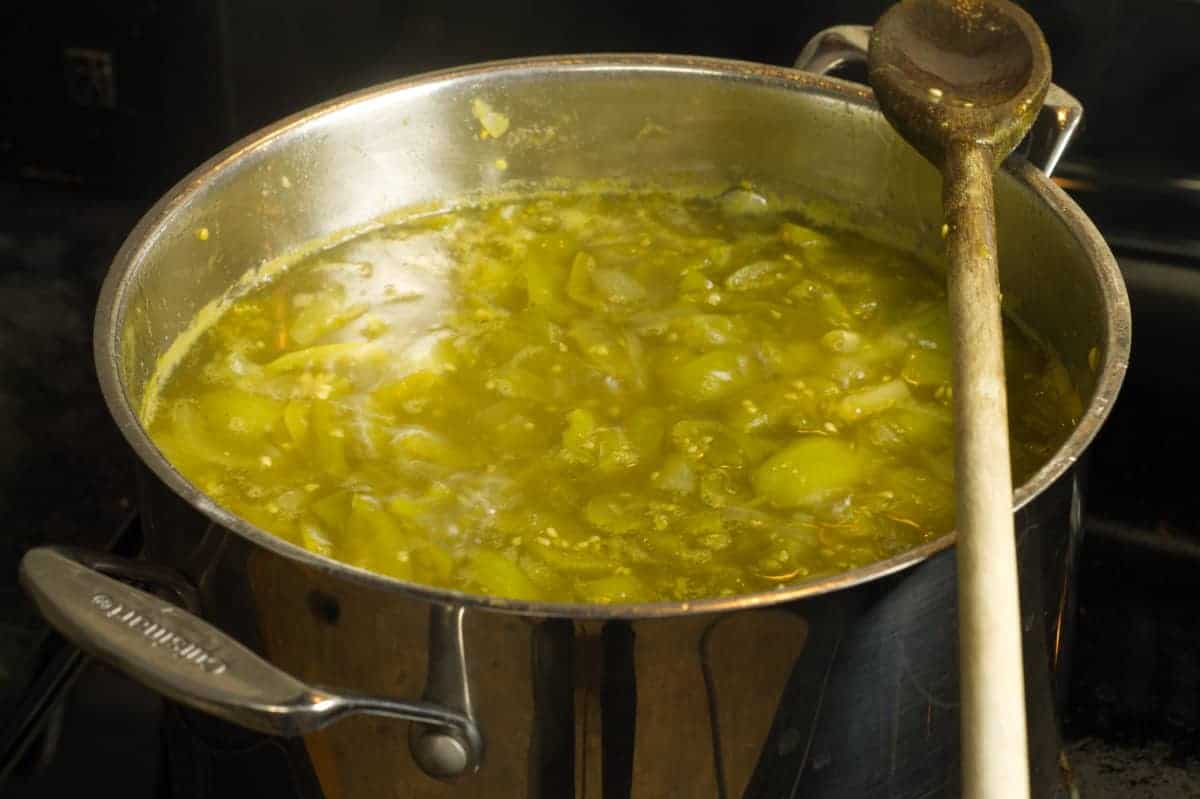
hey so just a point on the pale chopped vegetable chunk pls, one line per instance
(493, 122)
(810, 472)
(927, 368)
(712, 376)
(612, 590)
(492, 573)
(873, 400)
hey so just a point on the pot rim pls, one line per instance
(118, 285)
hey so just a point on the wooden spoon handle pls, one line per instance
(995, 759)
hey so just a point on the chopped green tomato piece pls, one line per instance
(617, 288)
(801, 236)
(614, 451)
(694, 282)
(794, 358)
(413, 393)
(542, 284)
(712, 377)
(703, 331)
(192, 440)
(758, 276)
(231, 412)
(928, 328)
(834, 310)
(717, 488)
(870, 401)
(754, 448)
(617, 355)
(314, 539)
(809, 472)
(1058, 391)
(811, 293)
(405, 508)
(491, 573)
(577, 443)
(368, 524)
(295, 419)
(841, 341)
(647, 428)
(910, 429)
(615, 513)
(513, 381)
(579, 282)
(325, 356)
(612, 590)
(333, 510)
(329, 438)
(927, 368)
(430, 564)
(676, 476)
(918, 498)
(426, 445)
(743, 202)
(570, 560)
(707, 443)
(322, 316)
(514, 426)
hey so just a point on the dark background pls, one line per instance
(131, 94)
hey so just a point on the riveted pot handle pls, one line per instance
(1052, 131)
(835, 47)
(187, 659)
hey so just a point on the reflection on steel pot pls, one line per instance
(844, 686)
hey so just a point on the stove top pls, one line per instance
(66, 475)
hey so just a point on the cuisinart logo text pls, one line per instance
(158, 635)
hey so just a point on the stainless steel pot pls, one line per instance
(843, 686)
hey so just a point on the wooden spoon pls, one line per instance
(962, 81)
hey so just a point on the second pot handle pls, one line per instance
(834, 47)
(1052, 131)
(187, 659)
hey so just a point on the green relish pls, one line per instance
(594, 397)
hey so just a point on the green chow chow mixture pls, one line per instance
(593, 398)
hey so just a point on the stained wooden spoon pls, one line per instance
(962, 81)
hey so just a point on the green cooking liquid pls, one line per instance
(593, 398)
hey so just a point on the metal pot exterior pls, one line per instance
(843, 687)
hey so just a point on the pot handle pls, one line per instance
(188, 660)
(1052, 131)
(835, 47)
